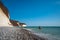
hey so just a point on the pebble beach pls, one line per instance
(13, 33)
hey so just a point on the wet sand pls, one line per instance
(7, 33)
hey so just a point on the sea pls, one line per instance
(49, 32)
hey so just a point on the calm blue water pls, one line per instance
(52, 33)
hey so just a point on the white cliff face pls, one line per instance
(24, 25)
(4, 20)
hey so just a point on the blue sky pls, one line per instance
(35, 12)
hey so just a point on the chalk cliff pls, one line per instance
(4, 16)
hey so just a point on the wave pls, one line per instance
(46, 36)
(28, 29)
